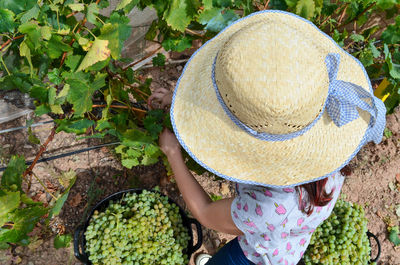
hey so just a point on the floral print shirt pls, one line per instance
(275, 230)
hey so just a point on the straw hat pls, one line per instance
(274, 101)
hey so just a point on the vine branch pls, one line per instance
(119, 107)
(10, 40)
(39, 154)
(141, 60)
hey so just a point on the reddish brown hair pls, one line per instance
(317, 195)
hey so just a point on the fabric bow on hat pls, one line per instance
(345, 97)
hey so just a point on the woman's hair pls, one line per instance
(317, 195)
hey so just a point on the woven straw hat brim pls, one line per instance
(219, 145)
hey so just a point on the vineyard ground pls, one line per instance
(99, 174)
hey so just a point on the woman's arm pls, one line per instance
(214, 215)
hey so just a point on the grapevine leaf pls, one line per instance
(291, 3)
(131, 152)
(9, 201)
(147, 160)
(130, 162)
(61, 200)
(116, 33)
(91, 12)
(394, 69)
(42, 109)
(45, 31)
(39, 92)
(80, 96)
(179, 44)
(32, 138)
(26, 52)
(32, 32)
(77, 127)
(31, 13)
(222, 3)
(357, 37)
(375, 52)
(17, 6)
(305, 8)
(152, 150)
(6, 20)
(153, 122)
(54, 76)
(366, 58)
(216, 19)
(385, 4)
(391, 35)
(13, 173)
(159, 60)
(98, 52)
(136, 138)
(208, 4)
(72, 62)
(56, 47)
(178, 16)
(278, 4)
(77, 7)
(62, 241)
(24, 220)
(394, 235)
(124, 3)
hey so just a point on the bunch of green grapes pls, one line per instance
(340, 239)
(138, 229)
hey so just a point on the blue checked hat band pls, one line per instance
(341, 105)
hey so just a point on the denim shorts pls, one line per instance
(230, 254)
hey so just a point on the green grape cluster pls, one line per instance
(340, 239)
(138, 229)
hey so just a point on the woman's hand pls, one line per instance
(161, 96)
(169, 144)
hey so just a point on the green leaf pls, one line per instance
(24, 220)
(222, 3)
(394, 69)
(62, 241)
(147, 160)
(54, 76)
(77, 127)
(45, 31)
(177, 15)
(131, 152)
(216, 19)
(178, 45)
(39, 92)
(385, 4)
(6, 20)
(13, 173)
(159, 60)
(9, 201)
(152, 150)
(391, 35)
(17, 6)
(72, 62)
(394, 235)
(32, 138)
(98, 52)
(375, 52)
(91, 12)
(61, 200)
(32, 32)
(130, 162)
(31, 13)
(136, 138)
(80, 96)
(26, 52)
(357, 37)
(305, 8)
(208, 4)
(77, 7)
(124, 3)
(42, 109)
(116, 33)
(56, 47)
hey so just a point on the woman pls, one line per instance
(276, 106)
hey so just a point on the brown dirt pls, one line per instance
(100, 174)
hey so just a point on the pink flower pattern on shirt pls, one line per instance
(269, 213)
